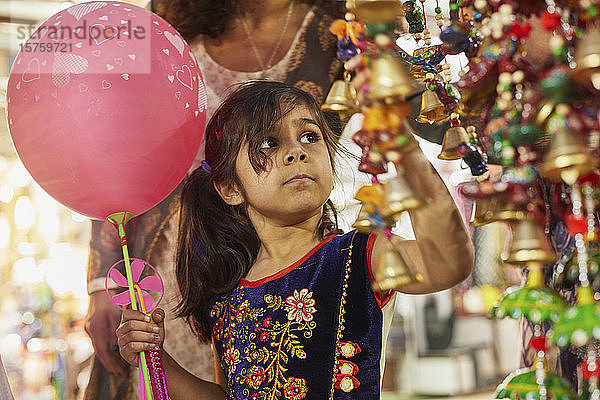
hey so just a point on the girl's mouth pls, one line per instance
(300, 178)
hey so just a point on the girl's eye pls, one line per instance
(268, 143)
(309, 137)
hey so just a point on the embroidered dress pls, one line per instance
(276, 337)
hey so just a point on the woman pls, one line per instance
(234, 41)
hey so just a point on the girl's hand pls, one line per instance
(136, 333)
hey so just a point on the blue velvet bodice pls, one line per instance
(276, 337)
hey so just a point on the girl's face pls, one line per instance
(298, 178)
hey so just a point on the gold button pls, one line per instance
(346, 384)
(348, 350)
(346, 369)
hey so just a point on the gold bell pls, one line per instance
(529, 244)
(363, 223)
(483, 211)
(505, 211)
(392, 272)
(377, 11)
(390, 80)
(341, 99)
(587, 57)
(432, 109)
(399, 197)
(472, 100)
(452, 138)
(567, 158)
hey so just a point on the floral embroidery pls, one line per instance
(266, 344)
(300, 306)
(256, 376)
(232, 359)
(242, 311)
(295, 389)
(264, 336)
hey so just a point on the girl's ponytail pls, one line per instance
(216, 247)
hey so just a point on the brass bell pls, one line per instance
(377, 11)
(363, 223)
(432, 109)
(399, 197)
(529, 244)
(483, 211)
(393, 272)
(472, 99)
(452, 138)
(341, 99)
(567, 158)
(587, 57)
(390, 80)
(506, 211)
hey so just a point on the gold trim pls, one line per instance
(341, 320)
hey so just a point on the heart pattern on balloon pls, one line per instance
(32, 72)
(184, 76)
(202, 96)
(106, 37)
(80, 10)
(66, 64)
(175, 40)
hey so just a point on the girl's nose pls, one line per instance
(291, 157)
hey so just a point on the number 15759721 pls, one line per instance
(46, 47)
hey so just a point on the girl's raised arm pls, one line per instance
(443, 251)
(136, 333)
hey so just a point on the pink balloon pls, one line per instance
(106, 108)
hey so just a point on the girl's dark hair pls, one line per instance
(217, 245)
(210, 17)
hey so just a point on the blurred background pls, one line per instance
(439, 345)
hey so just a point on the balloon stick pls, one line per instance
(119, 220)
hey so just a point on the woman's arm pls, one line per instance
(443, 251)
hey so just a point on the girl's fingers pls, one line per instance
(158, 315)
(137, 336)
(133, 348)
(136, 333)
(127, 315)
(130, 351)
(354, 62)
(360, 80)
(360, 83)
(134, 325)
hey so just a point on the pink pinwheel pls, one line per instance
(148, 284)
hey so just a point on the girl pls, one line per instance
(264, 272)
